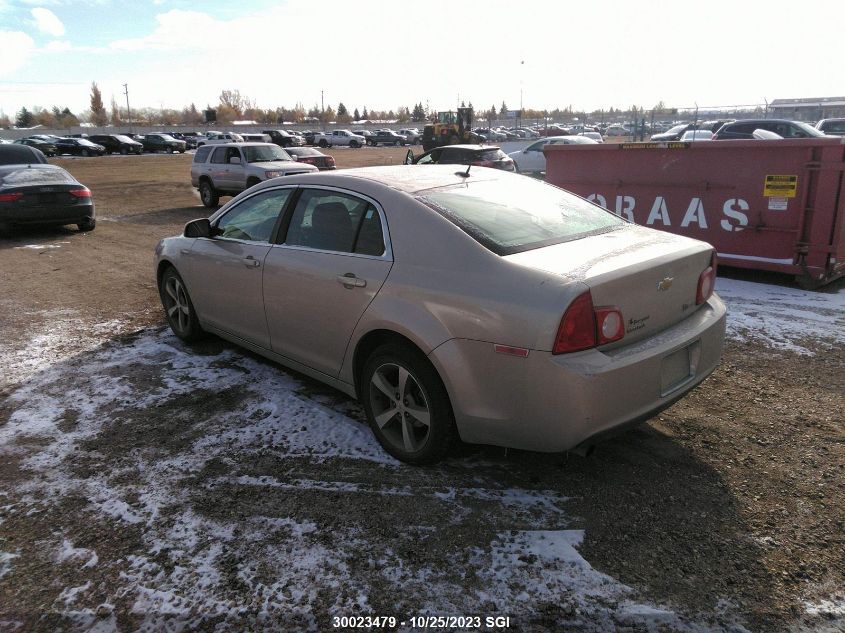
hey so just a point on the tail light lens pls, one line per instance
(706, 282)
(80, 193)
(330, 160)
(10, 197)
(584, 326)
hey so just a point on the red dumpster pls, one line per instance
(772, 205)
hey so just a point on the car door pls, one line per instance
(319, 280)
(532, 158)
(219, 168)
(225, 271)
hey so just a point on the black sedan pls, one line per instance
(162, 143)
(45, 146)
(35, 193)
(480, 155)
(312, 157)
(117, 143)
(79, 147)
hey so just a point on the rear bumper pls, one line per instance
(46, 215)
(553, 403)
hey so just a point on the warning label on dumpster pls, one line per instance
(778, 204)
(780, 186)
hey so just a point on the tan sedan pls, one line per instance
(455, 304)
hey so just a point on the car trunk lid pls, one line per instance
(652, 277)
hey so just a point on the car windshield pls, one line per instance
(123, 139)
(810, 130)
(166, 137)
(265, 153)
(84, 141)
(514, 215)
(677, 129)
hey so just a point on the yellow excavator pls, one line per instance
(450, 128)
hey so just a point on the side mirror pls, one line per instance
(198, 228)
(409, 158)
(235, 160)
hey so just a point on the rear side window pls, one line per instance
(334, 221)
(202, 153)
(519, 214)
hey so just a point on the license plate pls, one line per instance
(675, 370)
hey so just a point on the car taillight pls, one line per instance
(330, 160)
(584, 326)
(10, 197)
(706, 282)
(80, 193)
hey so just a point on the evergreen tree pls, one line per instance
(503, 110)
(365, 114)
(98, 110)
(24, 118)
(341, 109)
(356, 115)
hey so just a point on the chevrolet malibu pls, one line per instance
(473, 304)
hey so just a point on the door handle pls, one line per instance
(251, 262)
(349, 280)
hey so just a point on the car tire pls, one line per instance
(354, 144)
(87, 224)
(370, 143)
(84, 152)
(124, 151)
(178, 307)
(252, 182)
(422, 426)
(209, 195)
(323, 143)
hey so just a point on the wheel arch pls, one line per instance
(373, 339)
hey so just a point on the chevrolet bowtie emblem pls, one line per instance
(665, 284)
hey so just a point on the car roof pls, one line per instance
(471, 146)
(11, 154)
(409, 179)
(243, 144)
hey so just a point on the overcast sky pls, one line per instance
(384, 55)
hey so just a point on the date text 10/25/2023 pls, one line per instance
(472, 622)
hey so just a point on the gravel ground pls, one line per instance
(146, 485)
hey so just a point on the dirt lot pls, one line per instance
(146, 485)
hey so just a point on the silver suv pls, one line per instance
(228, 169)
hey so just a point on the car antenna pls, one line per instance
(463, 174)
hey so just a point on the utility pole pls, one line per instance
(128, 111)
(322, 111)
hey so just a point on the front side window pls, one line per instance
(334, 221)
(219, 156)
(511, 216)
(254, 218)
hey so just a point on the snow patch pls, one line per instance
(782, 317)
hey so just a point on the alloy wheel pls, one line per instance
(176, 304)
(400, 407)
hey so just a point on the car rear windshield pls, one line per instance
(493, 154)
(34, 176)
(518, 214)
(123, 139)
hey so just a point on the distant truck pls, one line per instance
(386, 137)
(339, 137)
